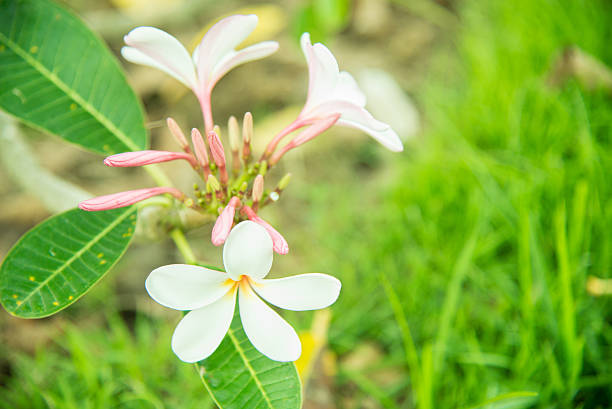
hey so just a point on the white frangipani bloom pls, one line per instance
(211, 295)
(212, 59)
(331, 91)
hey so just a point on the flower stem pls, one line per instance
(158, 176)
(297, 124)
(183, 246)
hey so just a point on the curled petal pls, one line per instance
(278, 241)
(224, 222)
(268, 332)
(186, 287)
(201, 331)
(356, 117)
(301, 292)
(236, 58)
(141, 158)
(127, 198)
(220, 41)
(348, 90)
(156, 48)
(322, 71)
(248, 251)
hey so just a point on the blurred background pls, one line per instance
(475, 264)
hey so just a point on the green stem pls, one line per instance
(183, 246)
(158, 176)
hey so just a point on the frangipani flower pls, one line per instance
(212, 59)
(211, 297)
(332, 92)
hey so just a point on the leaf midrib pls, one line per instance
(230, 332)
(101, 118)
(76, 255)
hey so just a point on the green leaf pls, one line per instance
(58, 76)
(238, 376)
(57, 261)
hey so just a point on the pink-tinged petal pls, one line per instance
(224, 222)
(201, 331)
(269, 333)
(301, 292)
(314, 130)
(156, 48)
(141, 158)
(127, 198)
(322, 72)
(279, 243)
(221, 40)
(248, 251)
(236, 58)
(186, 287)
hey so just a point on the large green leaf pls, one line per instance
(56, 75)
(57, 261)
(238, 376)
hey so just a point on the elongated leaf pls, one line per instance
(56, 75)
(57, 261)
(238, 376)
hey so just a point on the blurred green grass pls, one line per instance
(468, 269)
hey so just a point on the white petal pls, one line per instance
(220, 41)
(248, 251)
(322, 71)
(201, 331)
(236, 58)
(348, 90)
(386, 137)
(186, 287)
(156, 48)
(268, 332)
(357, 117)
(301, 292)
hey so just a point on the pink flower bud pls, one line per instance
(280, 245)
(175, 130)
(216, 149)
(127, 198)
(141, 158)
(200, 150)
(258, 188)
(224, 222)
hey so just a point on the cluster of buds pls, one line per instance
(235, 192)
(233, 198)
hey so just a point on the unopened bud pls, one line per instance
(175, 130)
(224, 222)
(243, 187)
(212, 184)
(263, 167)
(216, 149)
(258, 188)
(282, 185)
(200, 149)
(233, 130)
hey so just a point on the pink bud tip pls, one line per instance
(224, 222)
(216, 148)
(127, 198)
(141, 158)
(279, 243)
(199, 147)
(177, 133)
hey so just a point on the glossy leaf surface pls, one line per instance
(238, 376)
(59, 260)
(58, 76)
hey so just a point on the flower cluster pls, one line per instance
(234, 190)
